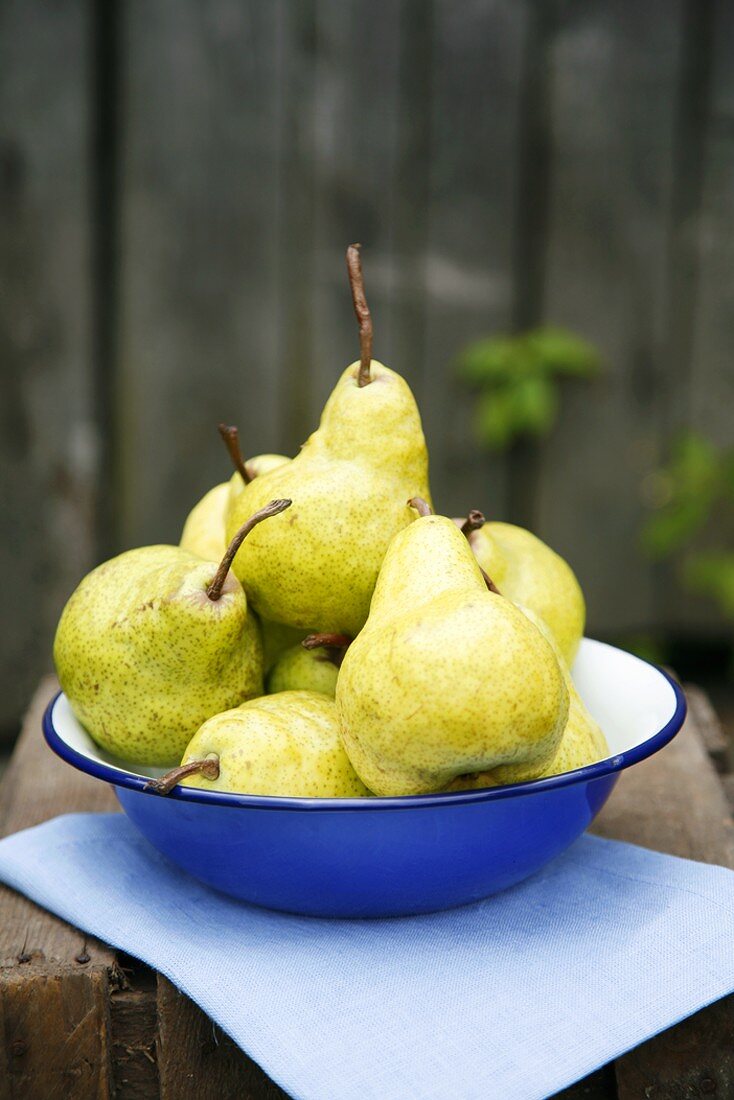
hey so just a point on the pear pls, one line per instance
(316, 569)
(203, 532)
(527, 571)
(204, 529)
(312, 665)
(286, 744)
(447, 677)
(277, 638)
(582, 742)
(154, 642)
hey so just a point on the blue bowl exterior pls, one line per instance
(368, 857)
(379, 864)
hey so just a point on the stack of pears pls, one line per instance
(320, 632)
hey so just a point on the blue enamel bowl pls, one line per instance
(376, 857)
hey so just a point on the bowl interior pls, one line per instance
(630, 699)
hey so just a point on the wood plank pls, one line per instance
(711, 388)
(196, 1058)
(613, 77)
(37, 786)
(476, 120)
(356, 103)
(709, 727)
(200, 188)
(53, 978)
(674, 802)
(48, 438)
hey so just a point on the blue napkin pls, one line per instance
(516, 996)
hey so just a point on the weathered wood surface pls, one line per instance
(177, 186)
(48, 436)
(82, 1021)
(674, 802)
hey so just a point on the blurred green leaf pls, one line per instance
(695, 476)
(712, 574)
(562, 352)
(494, 420)
(516, 379)
(487, 360)
(535, 405)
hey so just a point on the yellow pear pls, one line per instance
(446, 677)
(527, 571)
(582, 742)
(154, 642)
(350, 482)
(204, 530)
(286, 744)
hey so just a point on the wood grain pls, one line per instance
(196, 1058)
(674, 802)
(48, 435)
(476, 117)
(612, 119)
(201, 184)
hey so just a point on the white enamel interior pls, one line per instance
(630, 700)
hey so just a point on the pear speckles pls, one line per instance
(283, 744)
(349, 487)
(144, 657)
(446, 678)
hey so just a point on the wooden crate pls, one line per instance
(81, 1021)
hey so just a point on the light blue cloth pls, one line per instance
(513, 997)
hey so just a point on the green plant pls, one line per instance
(517, 378)
(695, 486)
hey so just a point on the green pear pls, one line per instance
(316, 568)
(204, 530)
(447, 677)
(277, 638)
(528, 572)
(286, 744)
(154, 642)
(312, 665)
(582, 742)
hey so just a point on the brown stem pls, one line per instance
(214, 591)
(421, 506)
(489, 582)
(209, 768)
(362, 313)
(334, 645)
(231, 438)
(473, 522)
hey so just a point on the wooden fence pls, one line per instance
(179, 179)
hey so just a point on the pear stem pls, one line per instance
(214, 591)
(421, 506)
(231, 437)
(336, 645)
(473, 522)
(362, 313)
(209, 768)
(489, 582)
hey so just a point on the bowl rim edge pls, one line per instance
(608, 766)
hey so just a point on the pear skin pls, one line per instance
(316, 567)
(445, 674)
(286, 744)
(300, 669)
(145, 656)
(204, 530)
(527, 571)
(582, 742)
(277, 638)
